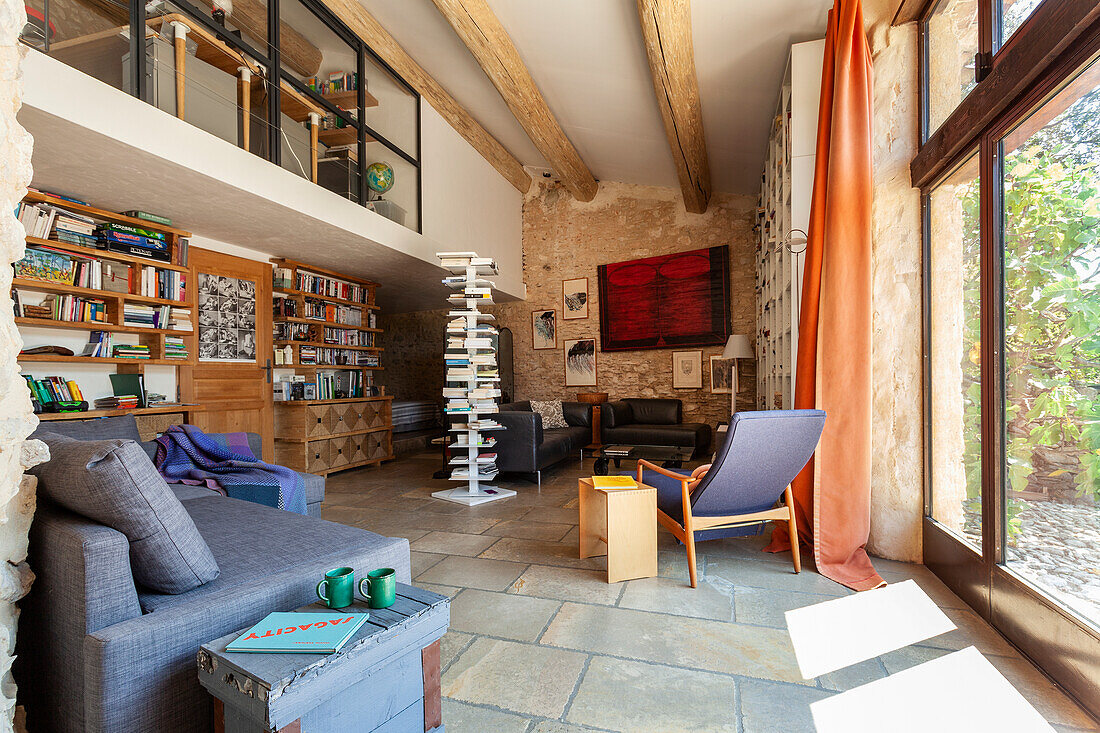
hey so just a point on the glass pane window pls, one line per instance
(1013, 15)
(91, 37)
(391, 108)
(1051, 224)
(952, 42)
(955, 350)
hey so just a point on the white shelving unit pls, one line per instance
(783, 217)
(472, 379)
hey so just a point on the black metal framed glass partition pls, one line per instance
(284, 79)
(1011, 228)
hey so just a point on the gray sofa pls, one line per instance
(97, 652)
(652, 421)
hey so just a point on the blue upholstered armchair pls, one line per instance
(739, 492)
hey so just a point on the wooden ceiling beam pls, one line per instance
(666, 28)
(481, 31)
(382, 43)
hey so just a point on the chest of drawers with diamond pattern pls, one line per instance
(324, 436)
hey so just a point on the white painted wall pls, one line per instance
(467, 204)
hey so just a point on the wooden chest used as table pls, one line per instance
(385, 679)
(622, 524)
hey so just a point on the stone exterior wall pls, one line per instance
(565, 239)
(897, 502)
(17, 491)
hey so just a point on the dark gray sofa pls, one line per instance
(96, 652)
(652, 421)
(526, 447)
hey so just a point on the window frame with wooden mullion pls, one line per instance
(1060, 642)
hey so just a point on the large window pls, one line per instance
(1051, 249)
(956, 387)
(283, 79)
(1011, 184)
(951, 41)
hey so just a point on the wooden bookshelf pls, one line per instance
(115, 303)
(327, 435)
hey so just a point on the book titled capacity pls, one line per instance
(306, 633)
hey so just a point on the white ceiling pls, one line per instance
(588, 60)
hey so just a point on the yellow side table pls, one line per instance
(622, 524)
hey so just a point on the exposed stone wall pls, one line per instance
(16, 419)
(897, 502)
(565, 239)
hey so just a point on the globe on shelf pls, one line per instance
(379, 177)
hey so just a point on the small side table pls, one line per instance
(622, 524)
(385, 677)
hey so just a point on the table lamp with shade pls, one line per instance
(737, 347)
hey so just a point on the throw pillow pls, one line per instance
(114, 483)
(552, 415)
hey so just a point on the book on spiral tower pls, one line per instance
(299, 633)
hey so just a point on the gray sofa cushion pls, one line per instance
(123, 427)
(290, 553)
(114, 483)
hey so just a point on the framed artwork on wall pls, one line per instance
(574, 295)
(580, 362)
(687, 369)
(721, 375)
(227, 318)
(544, 329)
(678, 300)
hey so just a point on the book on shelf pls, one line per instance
(100, 344)
(53, 389)
(117, 402)
(45, 266)
(129, 385)
(330, 287)
(137, 315)
(179, 319)
(155, 218)
(131, 351)
(174, 348)
(158, 283)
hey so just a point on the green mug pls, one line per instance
(339, 588)
(381, 588)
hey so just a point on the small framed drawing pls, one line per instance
(687, 369)
(721, 371)
(580, 362)
(544, 329)
(574, 294)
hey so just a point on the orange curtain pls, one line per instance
(833, 492)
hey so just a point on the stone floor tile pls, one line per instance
(853, 676)
(461, 717)
(573, 537)
(675, 596)
(421, 561)
(646, 698)
(768, 575)
(443, 590)
(1044, 695)
(567, 584)
(940, 594)
(766, 606)
(473, 572)
(521, 618)
(767, 707)
(531, 530)
(428, 521)
(555, 515)
(542, 553)
(451, 645)
(554, 726)
(454, 543)
(910, 656)
(716, 646)
(521, 678)
(972, 630)
(745, 548)
(673, 564)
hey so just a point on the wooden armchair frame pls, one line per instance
(686, 532)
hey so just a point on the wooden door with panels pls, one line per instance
(231, 375)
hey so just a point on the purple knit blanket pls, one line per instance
(186, 454)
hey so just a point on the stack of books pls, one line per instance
(145, 316)
(179, 319)
(100, 344)
(307, 354)
(174, 348)
(74, 229)
(76, 309)
(118, 402)
(131, 351)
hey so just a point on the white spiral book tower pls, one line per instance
(472, 380)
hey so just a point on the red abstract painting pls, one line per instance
(673, 300)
